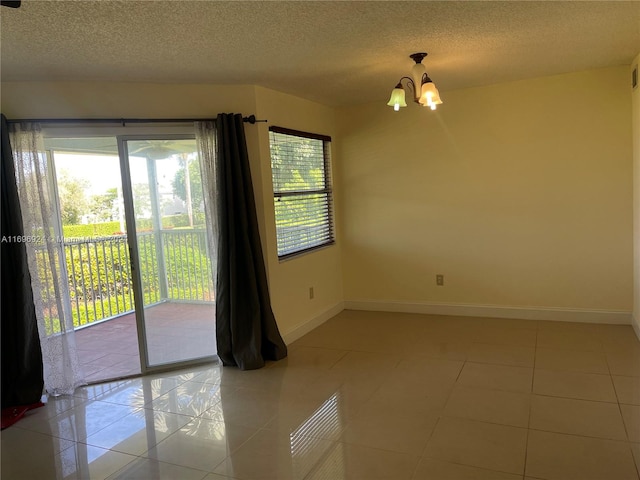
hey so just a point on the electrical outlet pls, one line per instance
(440, 280)
(310, 293)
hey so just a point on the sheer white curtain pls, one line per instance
(45, 254)
(206, 143)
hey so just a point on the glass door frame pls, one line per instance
(134, 257)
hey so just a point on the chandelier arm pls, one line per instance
(413, 87)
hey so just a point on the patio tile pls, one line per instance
(182, 331)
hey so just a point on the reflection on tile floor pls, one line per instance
(365, 396)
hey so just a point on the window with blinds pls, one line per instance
(300, 167)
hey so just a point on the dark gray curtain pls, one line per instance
(22, 377)
(246, 329)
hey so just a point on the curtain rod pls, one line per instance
(123, 121)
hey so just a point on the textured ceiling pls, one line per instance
(336, 53)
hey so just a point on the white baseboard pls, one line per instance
(305, 327)
(498, 311)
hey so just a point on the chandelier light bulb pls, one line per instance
(397, 99)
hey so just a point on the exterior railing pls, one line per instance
(99, 274)
(174, 265)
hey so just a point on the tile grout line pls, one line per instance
(440, 416)
(615, 391)
(579, 435)
(624, 424)
(533, 374)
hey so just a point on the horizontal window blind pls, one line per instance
(302, 190)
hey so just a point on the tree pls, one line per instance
(297, 164)
(179, 186)
(73, 202)
(142, 200)
(104, 206)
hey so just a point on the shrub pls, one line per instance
(103, 229)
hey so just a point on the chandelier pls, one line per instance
(424, 90)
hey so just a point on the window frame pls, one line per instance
(327, 190)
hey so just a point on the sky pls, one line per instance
(102, 172)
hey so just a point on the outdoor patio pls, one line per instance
(175, 332)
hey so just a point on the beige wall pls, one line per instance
(103, 99)
(520, 194)
(289, 281)
(635, 105)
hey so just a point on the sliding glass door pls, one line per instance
(91, 222)
(141, 282)
(176, 291)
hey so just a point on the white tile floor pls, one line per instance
(365, 396)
